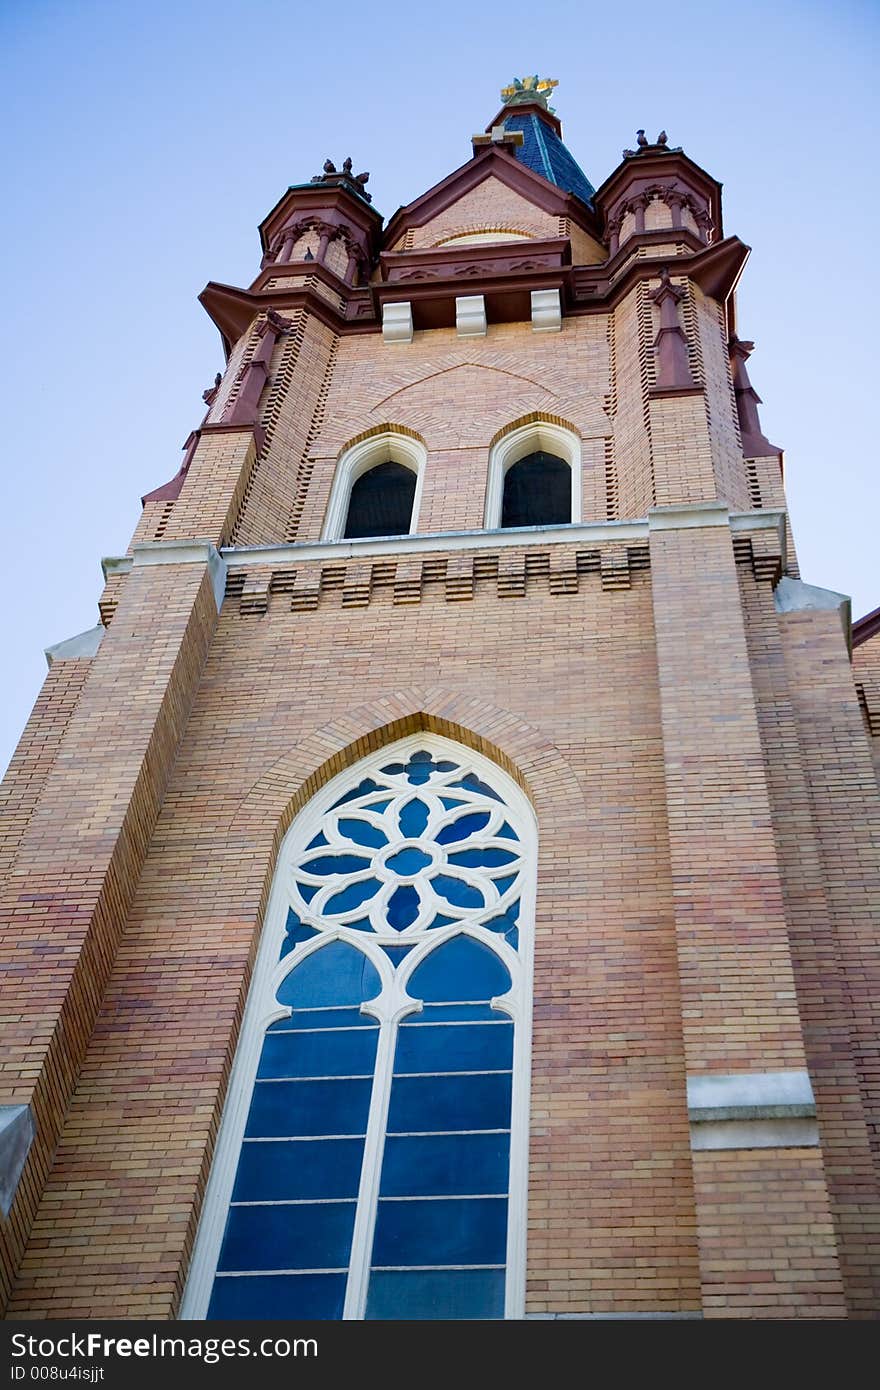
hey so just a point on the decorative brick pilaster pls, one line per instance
(65, 899)
(739, 1006)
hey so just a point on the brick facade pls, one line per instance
(695, 750)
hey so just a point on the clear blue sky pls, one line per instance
(143, 144)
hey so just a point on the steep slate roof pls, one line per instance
(544, 152)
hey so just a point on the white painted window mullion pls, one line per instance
(371, 1173)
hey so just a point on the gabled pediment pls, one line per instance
(498, 165)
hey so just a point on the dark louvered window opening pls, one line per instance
(537, 492)
(381, 502)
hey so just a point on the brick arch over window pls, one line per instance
(521, 750)
(531, 434)
(247, 851)
(375, 447)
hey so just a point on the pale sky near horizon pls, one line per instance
(144, 144)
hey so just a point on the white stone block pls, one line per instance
(397, 322)
(546, 311)
(470, 316)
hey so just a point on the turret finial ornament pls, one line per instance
(526, 89)
(333, 175)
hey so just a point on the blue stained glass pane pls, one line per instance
(507, 832)
(296, 931)
(418, 774)
(346, 1053)
(474, 784)
(479, 1047)
(502, 884)
(363, 833)
(307, 890)
(319, 840)
(273, 1170)
(455, 891)
(422, 1104)
(446, 1164)
(336, 864)
(403, 907)
(408, 862)
(419, 768)
(424, 1294)
(379, 806)
(513, 938)
(334, 974)
(413, 819)
(454, 1013)
(279, 1296)
(352, 896)
(311, 1236)
(463, 827)
(460, 968)
(453, 1230)
(487, 858)
(281, 1108)
(322, 1018)
(362, 924)
(500, 924)
(362, 789)
(440, 921)
(396, 953)
(450, 801)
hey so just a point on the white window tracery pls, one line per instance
(407, 887)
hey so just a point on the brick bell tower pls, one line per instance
(445, 882)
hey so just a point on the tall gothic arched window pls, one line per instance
(372, 1160)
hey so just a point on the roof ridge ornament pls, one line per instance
(535, 89)
(330, 174)
(661, 145)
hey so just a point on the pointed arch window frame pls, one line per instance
(515, 445)
(390, 1007)
(357, 459)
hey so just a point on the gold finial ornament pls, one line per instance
(529, 89)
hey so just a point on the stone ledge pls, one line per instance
(752, 1110)
(750, 1095)
(687, 516)
(754, 1134)
(17, 1132)
(84, 644)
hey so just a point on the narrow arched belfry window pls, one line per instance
(537, 492)
(372, 1158)
(381, 502)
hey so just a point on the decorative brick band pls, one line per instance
(511, 573)
(752, 1110)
